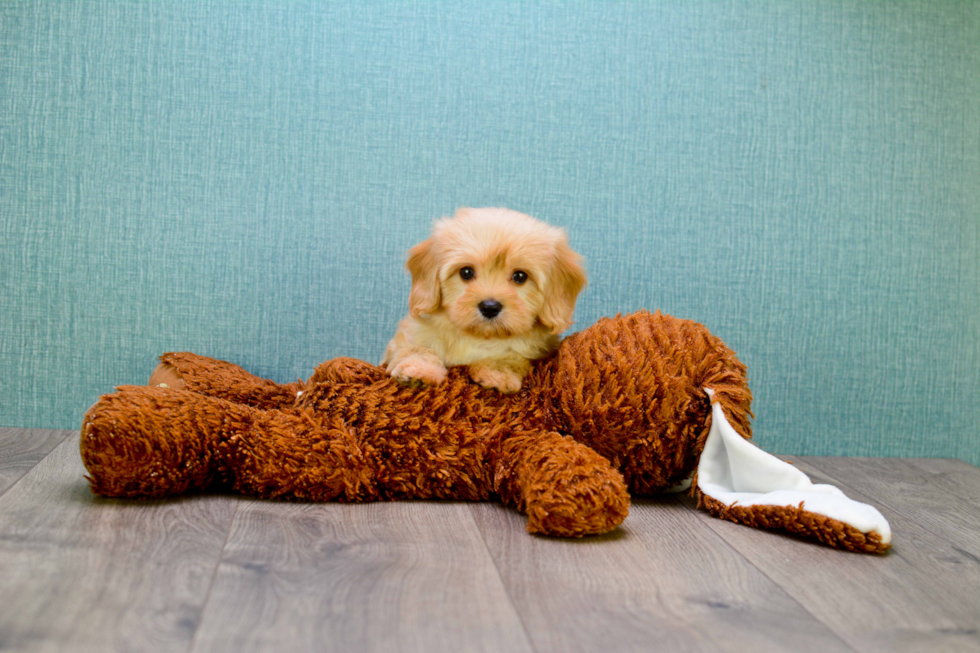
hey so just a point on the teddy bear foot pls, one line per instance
(587, 506)
(140, 442)
(166, 375)
(565, 488)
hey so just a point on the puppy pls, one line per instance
(491, 289)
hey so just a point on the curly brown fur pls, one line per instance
(619, 406)
(653, 421)
(798, 521)
(223, 380)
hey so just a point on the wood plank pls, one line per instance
(81, 573)
(662, 581)
(951, 475)
(21, 449)
(964, 472)
(920, 596)
(942, 496)
(407, 576)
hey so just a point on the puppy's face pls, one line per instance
(496, 273)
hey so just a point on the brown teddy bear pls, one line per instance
(632, 404)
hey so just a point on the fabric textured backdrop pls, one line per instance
(242, 180)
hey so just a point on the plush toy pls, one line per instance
(636, 403)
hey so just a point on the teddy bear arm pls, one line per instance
(222, 380)
(564, 487)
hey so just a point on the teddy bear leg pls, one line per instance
(154, 442)
(565, 488)
(347, 370)
(222, 380)
(146, 442)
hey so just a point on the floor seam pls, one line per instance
(772, 580)
(486, 547)
(68, 434)
(214, 575)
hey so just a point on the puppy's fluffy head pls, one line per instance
(496, 273)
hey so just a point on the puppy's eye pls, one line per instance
(519, 277)
(467, 273)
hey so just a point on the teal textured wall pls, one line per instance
(241, 179)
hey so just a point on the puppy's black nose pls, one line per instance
(490, 308)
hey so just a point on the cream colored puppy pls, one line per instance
(491, 289)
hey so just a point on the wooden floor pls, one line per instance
(226, 573)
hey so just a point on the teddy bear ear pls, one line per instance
(423, 265)
(740, 482)
(565, 282)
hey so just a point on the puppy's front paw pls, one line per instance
(416, 371)
(505, 380)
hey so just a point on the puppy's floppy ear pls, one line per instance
(565, 282)
(422, 264)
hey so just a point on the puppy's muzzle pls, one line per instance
(490, 308)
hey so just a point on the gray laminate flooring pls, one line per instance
(228, 573)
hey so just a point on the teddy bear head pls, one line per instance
(633, 389)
